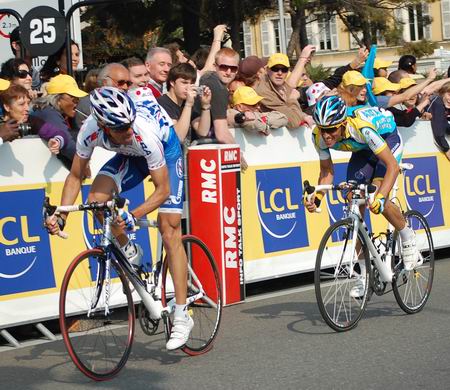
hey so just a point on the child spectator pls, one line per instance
(246, 113)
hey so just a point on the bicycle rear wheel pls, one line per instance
(412, 288)
(98, 336)
(206, 311)
(336, 275)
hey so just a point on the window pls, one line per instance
(270, 35)
(445, 8)
(322, 31)
(247, 39)
(418, 22)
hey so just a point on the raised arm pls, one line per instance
(219, 32)
(299, 69)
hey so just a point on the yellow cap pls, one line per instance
(4, 84)
(353, 77)
(382, 84)
(64, 83)
(246, 95)
(278, 59)
(407, 82)
(379, 63)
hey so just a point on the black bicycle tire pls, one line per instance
(64, 328)
(395, 288)
(187, 348)
(317, 279)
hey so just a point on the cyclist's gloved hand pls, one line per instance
(377, 206)
(311, 206)
(128, 219)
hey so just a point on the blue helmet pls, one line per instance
(112, 107)
(330, 111)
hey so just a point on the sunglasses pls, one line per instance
(331, 129)
(281, 69)
(225, 68)
(22, 74)
(121, 83)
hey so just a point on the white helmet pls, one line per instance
(112, 108)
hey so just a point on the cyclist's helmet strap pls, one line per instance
(329, 111)
(112, 107)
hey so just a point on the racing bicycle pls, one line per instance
(100, 288)
(348, 242)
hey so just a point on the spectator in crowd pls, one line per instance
(406, 113)
(9, 131)
(226, 64)
(16, 104)
(18, 72)
(114, 75)
(330, 82)
(58, 108)
(21, 52)
(246, 113)
(179, 100)
(158, 63)
(178, 57)
(353, 90)
(440, 121)
(397, 75)
(380, 67)
(385, 91)
(83, 109)
(408, 63)
(279, 92)
(139, 75)
(251, 70)
(57, 63)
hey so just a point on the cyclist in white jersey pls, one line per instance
(146, 144)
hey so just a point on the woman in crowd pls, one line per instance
(57, 63)
(18, 72)
(353, 90)
(58, 107)
(16, 106)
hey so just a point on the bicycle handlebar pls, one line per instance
(344, 186)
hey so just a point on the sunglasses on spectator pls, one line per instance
(281, 69)
(22, 74)
(224, 68)
(121, 83)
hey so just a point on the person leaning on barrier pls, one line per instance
(279, 92)
(179, 100)
(58, 108)
(16, 107)
(440, 121)
(247, 114)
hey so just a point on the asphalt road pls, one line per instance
(274, 340)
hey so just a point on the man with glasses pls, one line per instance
(372, 137)
(114, 75)
(226, 67)
(279, 91)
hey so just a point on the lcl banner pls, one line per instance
(215, 211)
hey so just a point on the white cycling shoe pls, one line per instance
(358, 289)
(180, 332)
(410, 254)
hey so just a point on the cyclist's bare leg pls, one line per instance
(170, 228)
(392, 212)
(101, 191)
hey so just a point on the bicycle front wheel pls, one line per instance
(205, 311)
(96, 315)
(412, 288)
(342, 276)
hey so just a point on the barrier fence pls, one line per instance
(279, 237)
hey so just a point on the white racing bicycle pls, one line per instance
(348, 242)
(97, 309)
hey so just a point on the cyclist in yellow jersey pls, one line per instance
(372, 137)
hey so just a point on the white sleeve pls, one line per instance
(87, 138)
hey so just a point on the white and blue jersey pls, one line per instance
(154, 145)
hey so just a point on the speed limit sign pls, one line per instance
(42, 31)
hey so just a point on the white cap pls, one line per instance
(315, 92)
